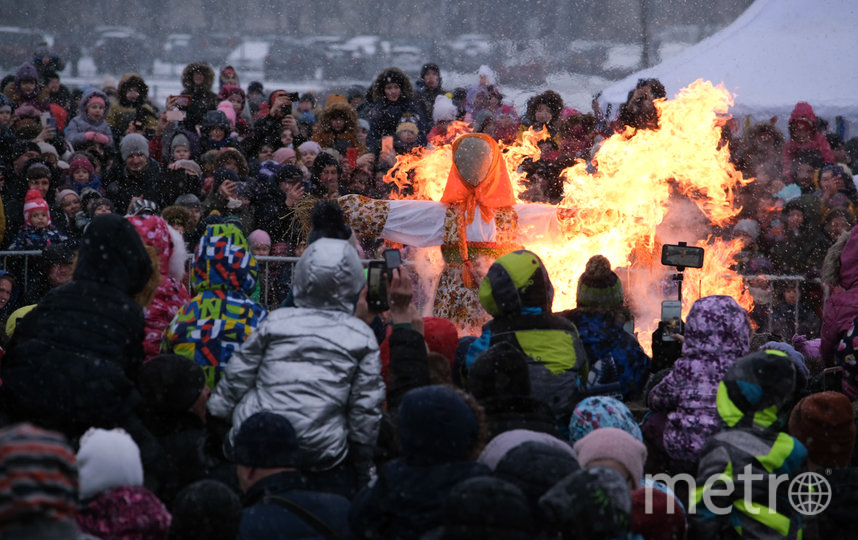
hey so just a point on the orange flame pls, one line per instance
(639, 178)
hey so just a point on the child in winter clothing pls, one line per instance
(171, 294)
(215, 322)
(133, 93)
(717, 332)
(753, 402)
(82, 176)
(114, 503)
(37, 233)
(90, 124)
(784, 315)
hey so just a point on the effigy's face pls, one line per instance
(473, 159)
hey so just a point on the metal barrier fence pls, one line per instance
(270, 269)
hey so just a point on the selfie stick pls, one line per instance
(680, 276)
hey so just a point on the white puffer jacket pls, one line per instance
(315, 364)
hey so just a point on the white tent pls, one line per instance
(777, 53)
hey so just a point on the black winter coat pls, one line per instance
(72, 360)
(121, 185)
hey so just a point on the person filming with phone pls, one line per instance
(268, 127)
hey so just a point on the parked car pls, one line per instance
(214, 48)
(178, 49)
(119, 52)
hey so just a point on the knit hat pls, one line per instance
(825, 424)
(444, 109)
(535, 467)
(133, 143)
(259, 238)
(33, 202)
(143, 207)
(597, 412)
(665, 519)
(179, 141)
(81, 163)
(267, 440)
(486, 507)
(749, 227)
(39, 476)
(441, 336)
(756, 389)
(190, 166)
(62, 195)
(170, 383)
(801, 370)
(215, 118)
(436, 425)
(503, 443)
(26, 72)
(107, 459)
(616, 444)
(205, 509)
(363, 123)
(310, 146)
(599, 286)
(407, 126)
(38, 170)
(188, 200)
(282, 154)
(500, 371)
(591, 503)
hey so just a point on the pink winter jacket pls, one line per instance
(841, 308)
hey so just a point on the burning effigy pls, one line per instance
(615, 206)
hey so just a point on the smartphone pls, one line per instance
(51, 122)
(351, 157)
(682, 255)
(392, 261)
(175, 115)
(45, 116)
(671, 315)
(376, 293)
(183, 101)
(387, 144)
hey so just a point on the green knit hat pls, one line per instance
(599, 286)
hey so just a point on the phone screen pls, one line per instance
(392, 258)
(376, 294)
(671, 314)
(387, 144)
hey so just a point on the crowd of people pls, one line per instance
(142, 398)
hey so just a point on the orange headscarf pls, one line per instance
(495, 191)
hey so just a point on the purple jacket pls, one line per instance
(80, 124)
(842, 306)
(717, 332)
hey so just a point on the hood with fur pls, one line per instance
(202, 67)
(129, 80)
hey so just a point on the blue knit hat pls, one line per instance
(436, 425)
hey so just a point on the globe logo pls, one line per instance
(809, 493)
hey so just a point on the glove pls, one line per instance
(95, 136)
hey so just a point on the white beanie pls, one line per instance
(107, 459)
(487, 71)
(444, 109)
(47, 148)
(310, 146)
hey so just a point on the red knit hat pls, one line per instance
(825, 423)
(664, 520)
(441, 337)
(34, 202)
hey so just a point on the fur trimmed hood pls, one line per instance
(128, 80)
(202, 67)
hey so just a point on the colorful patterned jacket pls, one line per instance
(221, 316)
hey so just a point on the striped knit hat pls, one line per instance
(34, 202)
(39, 476)
(599, 286)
